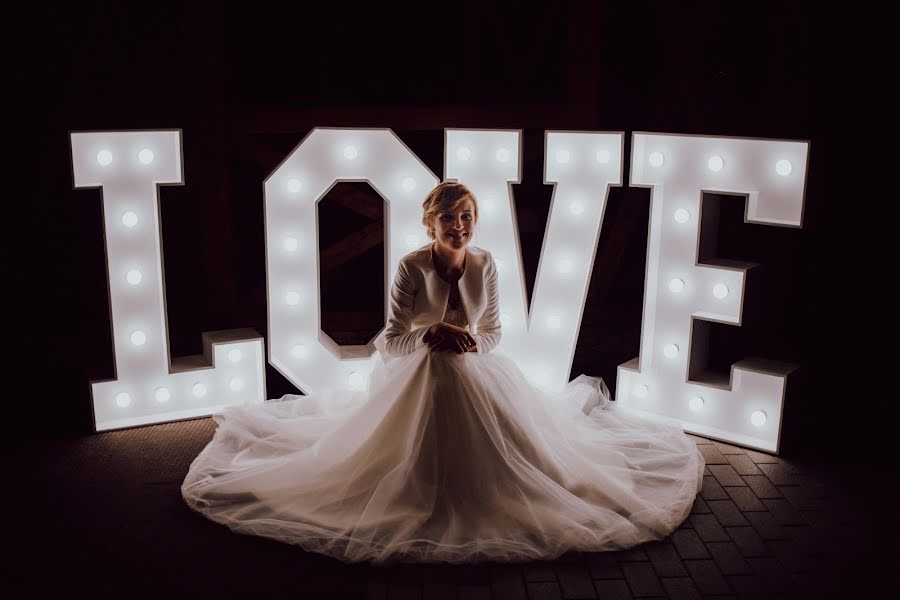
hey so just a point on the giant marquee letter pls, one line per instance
(149, 386)
(582, 167)
(668, 378)
(298, 347)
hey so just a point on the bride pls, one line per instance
(451, 455)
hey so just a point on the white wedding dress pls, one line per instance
(446, 458)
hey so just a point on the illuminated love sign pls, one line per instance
(667, 379)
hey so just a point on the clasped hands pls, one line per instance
(447, 337)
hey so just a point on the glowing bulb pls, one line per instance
(290, 244)
(123, 399)
(640, 390)
(409, 184)
(784, 167)
(576, 208)
(199, 390)
(133, 277)
(129, 219)
(236, 384)
(553, 322)
(676, 285)
(565, 265)
(292, 298)
(720, 290)
(412, 240)
(145, 156)
(162, 395)
(715, 163)
(294, 185)
(758, 418)
(657, 159)
(235, 355)
(670, 350)
(350, 152)
(104, 157)
(503, 155)
(695, 403)
(682, 215)
(603, 156)
(505, 320)
(138, 338)
(562, 156)
(355, 379)
(299, 351)
(463, 153)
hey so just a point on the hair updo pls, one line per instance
(446, 196)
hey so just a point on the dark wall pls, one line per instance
(246, 85)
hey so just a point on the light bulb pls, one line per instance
(676, 285)
(409, 184)
(145, 156)
(292, 298)
(682, 215)
(784, 167)
(235, 355)
(715, 163)
(503, 155)
(758, 418)
(657, 159)
(133, 277)
(563, 156)
(236, 384)
(129, 219)
(104, 157)
(670, 350)
(603, 156)
(720, 290)
(299, 351)
(123, 399)
(463, 153)
(294, 185)
(640, 390)
(162, 395)
(138, 338)
(695, 403)
(199, 390)
(290, 244)
(350, 152)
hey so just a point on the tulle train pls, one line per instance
(446, 458)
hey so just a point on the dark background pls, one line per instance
(247, 84)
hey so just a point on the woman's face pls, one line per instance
(454, 228)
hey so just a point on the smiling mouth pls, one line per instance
(458, 237)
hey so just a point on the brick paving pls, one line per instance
(103, 515)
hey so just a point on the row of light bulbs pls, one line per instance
(163, 395)
(696, 404)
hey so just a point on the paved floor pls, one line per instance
(102, 515)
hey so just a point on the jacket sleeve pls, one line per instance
(399, 338)
(489, 333)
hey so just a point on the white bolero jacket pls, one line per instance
(419, 299)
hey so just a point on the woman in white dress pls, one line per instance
(450, 455)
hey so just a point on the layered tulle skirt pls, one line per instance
(446, 458)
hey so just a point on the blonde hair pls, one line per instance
(446, 196)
